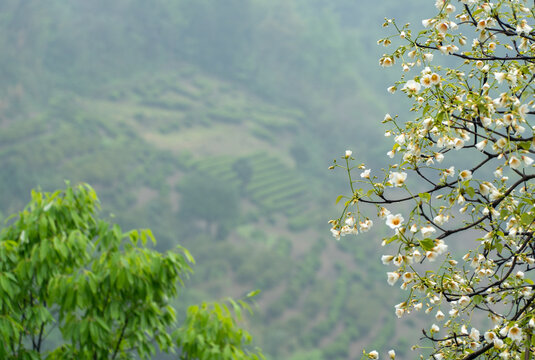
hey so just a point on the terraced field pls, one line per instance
(137, 140)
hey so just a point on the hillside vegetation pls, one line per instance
(213, 124)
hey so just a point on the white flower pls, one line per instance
(523, 110)
(458, 143)
(394, 221)
(486, 121)
(442, 27)
(387, 259)
(439, 316)
(365, 225)
(398, 260)
(435, 328)
(449, 49)
(397, 178)
(428, 56)
(348, 154)
(416, 256)
(474, 334)
(465, 175)
(336, 233)
(383, 212)
(386, 61)
(425, 81)
(412, 86)
(440, 219)
(392, 277)
(435, 79)
(392, 354)
(373, 355)
(427, 22)
(490, 336)
(500, 76)
(464, 300)
(496, 319)
(391, 89)
(427, 231)
(408, 277)
(481, 145)
(400, 139)
(515, 334)
(527, 160)
(523, 28)
(350, 221)
(431, 255)
(514, 162)
(440, 248)
(365, 174)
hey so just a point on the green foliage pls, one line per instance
(210, 332)
(102, 292)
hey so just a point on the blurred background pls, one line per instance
(213, 122)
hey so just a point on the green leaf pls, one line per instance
(338, 198)
(470, 191)
(427, 244)
(188, 256)
(425, 196)
(527, 219)
(477, 299)
(526, 145)
(253, 293)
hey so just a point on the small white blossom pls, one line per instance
(464, 300)
(397, 178)
(500, 76)
(523, 28)
(412, 86)
(515, 334)
(427, 231)
(394, 221)
(465, 175)
(392, 277)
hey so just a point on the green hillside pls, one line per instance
(217, 135)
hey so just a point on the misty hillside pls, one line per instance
(213, 123)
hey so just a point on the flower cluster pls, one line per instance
(462, 169)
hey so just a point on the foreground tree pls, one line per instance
(459, 192)
(74, 286)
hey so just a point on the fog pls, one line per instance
(213, 123)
